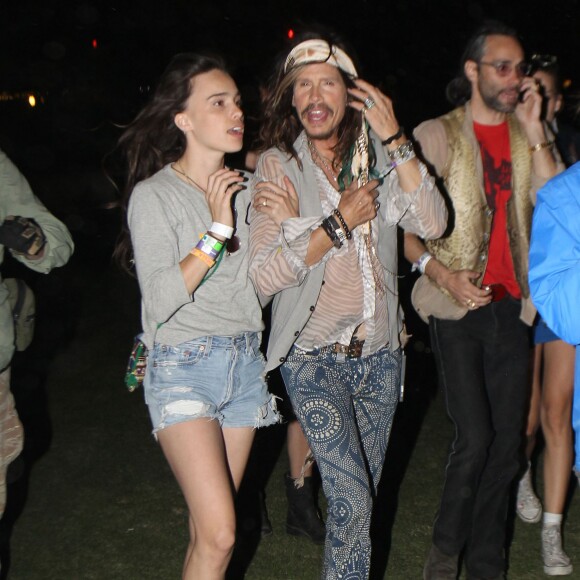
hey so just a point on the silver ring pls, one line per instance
(377, 205)
(369, 103)
(265, 203)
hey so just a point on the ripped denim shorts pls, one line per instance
(213, 377)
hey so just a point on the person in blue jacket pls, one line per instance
(554, 273)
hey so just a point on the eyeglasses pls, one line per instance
(504, 68)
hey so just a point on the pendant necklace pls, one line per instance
(177, 165)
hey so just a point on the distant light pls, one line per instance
(94, 43)
(32, 100)
(567, 83)
(290, 34)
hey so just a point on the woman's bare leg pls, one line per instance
(197, 452)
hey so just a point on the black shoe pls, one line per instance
(440, 566)
(303, 515)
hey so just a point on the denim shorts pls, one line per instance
(542, 333)
(213, 377)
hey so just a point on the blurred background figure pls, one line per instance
(553, 370)
(34, 237)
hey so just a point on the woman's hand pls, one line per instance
(277, 203)
(221, 186)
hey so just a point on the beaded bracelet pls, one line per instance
(203, 257)
(403, 153)
(346, 229)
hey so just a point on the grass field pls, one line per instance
(97, 501)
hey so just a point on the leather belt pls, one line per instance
(352, 350)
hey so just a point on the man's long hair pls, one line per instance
(458, 90)
(281, 124)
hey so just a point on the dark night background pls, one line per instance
(409, 47)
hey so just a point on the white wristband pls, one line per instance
(422, 262)
(222, 230)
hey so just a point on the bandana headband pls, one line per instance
(319, 51)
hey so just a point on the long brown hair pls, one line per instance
(152, 140)
(280, 123)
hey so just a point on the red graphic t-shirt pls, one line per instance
(494, 141)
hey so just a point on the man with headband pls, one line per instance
(335, 157)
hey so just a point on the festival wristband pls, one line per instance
(203, 257)
(422, 262)
(222, 230)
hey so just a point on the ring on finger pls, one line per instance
(265, 203)
(377, 205)
(470, 304)
(364, 110)
(369, 103)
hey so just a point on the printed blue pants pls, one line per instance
(346, 409)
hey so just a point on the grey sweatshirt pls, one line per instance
(166, 217)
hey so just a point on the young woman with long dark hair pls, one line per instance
(186, 215)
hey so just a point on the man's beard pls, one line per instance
(492, 100)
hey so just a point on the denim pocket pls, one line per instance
(164, 355)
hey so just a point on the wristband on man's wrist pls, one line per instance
(421, 262)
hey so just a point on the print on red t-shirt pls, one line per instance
(494, 141)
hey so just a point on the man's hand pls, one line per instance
(358, 204)
(461, 285)
(22, 235)
(277, 203)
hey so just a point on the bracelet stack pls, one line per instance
(333, 231)
(208, 249)
(403, 153)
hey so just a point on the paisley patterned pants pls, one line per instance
(346, 410)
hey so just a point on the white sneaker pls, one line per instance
(556, 561)
(528, 506)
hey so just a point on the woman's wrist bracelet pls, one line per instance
(539, 146)
(210, 246)
(346, 229)
(222, 230)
